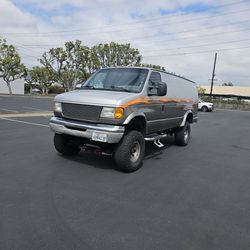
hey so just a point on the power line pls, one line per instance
(193, 46)
(195, 37)
(38, 46)
(186, 31)
(202, 45)
(197, 52)
(132, 23)
(152, 26)
(187, 53)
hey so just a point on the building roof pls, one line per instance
(228, 90)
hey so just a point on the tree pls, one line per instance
(153, 66)
(43, 77)
(201, 91)
(68, 65)
(114, 54)
(28, 79)
(11, 67)
(75, 62)
(227, 84)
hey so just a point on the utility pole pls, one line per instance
(212, 80)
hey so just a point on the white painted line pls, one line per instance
(231, 110)
(24, 122)
(35, 108)
(9, 110)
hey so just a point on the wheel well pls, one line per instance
(190, 118)
(137, 123)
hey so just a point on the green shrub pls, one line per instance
(26, 88)
(56, 89)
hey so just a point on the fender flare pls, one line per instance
(185, 117)
(133, 115)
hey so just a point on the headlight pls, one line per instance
(116, 113)
(58, 107)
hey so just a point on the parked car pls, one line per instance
(118, 109)
(78, 86)
(36, 91)
(205, 106)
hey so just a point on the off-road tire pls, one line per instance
(182, 135)
(124, 155)
(63, 146)
(204, 109)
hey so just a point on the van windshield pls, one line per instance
(118, 79)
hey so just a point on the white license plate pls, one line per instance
(99, 137)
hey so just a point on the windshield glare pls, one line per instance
(118, 79)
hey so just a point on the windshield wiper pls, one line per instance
(119, 88)
(88, 87)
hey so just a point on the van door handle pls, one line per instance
(163, 108)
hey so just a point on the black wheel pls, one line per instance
(182, 135)
(129, 152)
(204, 109)
(63, 145)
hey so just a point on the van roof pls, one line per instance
(162, 71)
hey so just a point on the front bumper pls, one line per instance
(86, 130)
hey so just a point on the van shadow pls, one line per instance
(107, 162)
(154, 152)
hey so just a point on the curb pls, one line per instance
(37, 114)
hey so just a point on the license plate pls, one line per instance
(99, 137)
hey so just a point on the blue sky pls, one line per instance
(69, 9)
(180, 35)
(46, 14)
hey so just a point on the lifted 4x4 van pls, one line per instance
(118, 109)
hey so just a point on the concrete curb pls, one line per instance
(30, 96)
(37, 114)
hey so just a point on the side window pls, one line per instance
(155, 77)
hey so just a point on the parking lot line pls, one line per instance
(35, 108)
(9, 110)
(24, 122)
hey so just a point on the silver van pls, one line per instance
(117, 109)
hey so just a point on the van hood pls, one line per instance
(96, 97)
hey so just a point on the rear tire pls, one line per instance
(129, 152)
(182, 135)
(63, 145)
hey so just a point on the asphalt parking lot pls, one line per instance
(23, 104)
(194, 197)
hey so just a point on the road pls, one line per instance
(194, 197)
(21, 104)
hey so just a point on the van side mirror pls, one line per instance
(162, 89)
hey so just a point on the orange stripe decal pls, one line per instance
(148, 100)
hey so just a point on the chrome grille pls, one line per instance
(81, 112)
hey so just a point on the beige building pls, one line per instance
(17, 87)
(228, 90)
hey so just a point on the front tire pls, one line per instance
(182, 135)
(63, 145)
(204, 109)
(129, 152)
